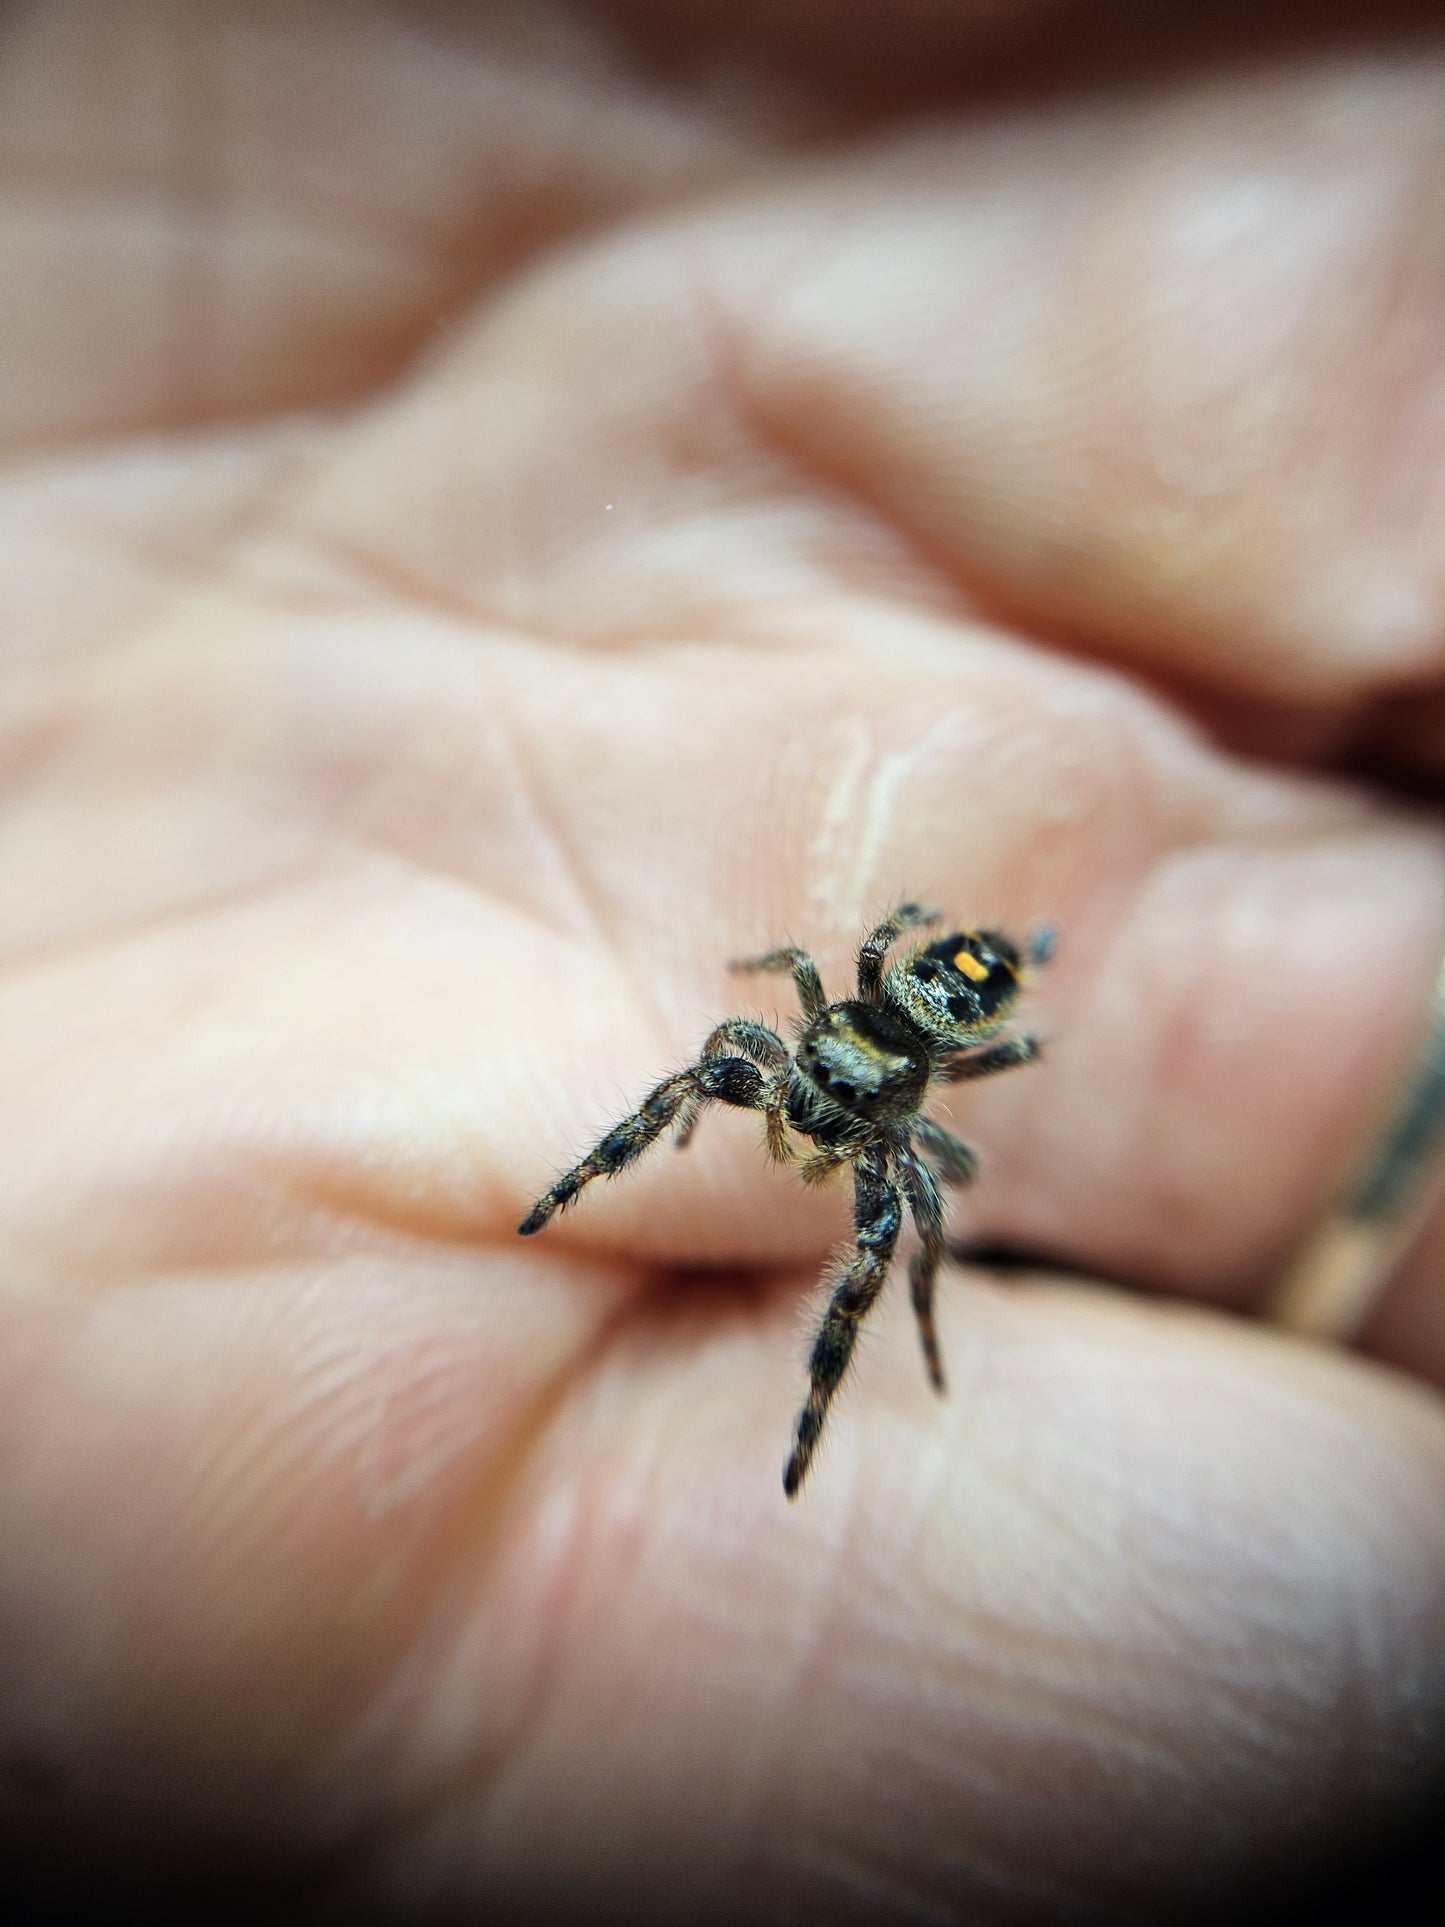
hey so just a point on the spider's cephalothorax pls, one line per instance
(854, 1087)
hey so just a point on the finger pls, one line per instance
(1164, 378)
(231, 1495)
(1088, 1636)
(1193, 1633)
(1158, 376)
(238, 256)
(438, 917)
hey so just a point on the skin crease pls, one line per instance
(503, 509)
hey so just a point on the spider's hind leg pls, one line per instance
(724, 1080)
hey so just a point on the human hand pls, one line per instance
(504, 513)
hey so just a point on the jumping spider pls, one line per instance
(855, 1085)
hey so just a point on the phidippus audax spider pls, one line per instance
(855, 1086)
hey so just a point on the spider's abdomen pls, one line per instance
(864, 1062)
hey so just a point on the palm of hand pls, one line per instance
(385, 790)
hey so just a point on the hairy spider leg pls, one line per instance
(811, 994)
(877, 1217)
(724, 1080)
(951, 1160)
(1006, 1056)
(875, 946)
(823, 1166)
(920, 1187)
(733, 1035)
(774, 1107)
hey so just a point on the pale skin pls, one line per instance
(506, 509)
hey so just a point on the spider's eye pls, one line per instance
(925, 971)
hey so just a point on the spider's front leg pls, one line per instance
(877, 1217)
(722, 1080)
